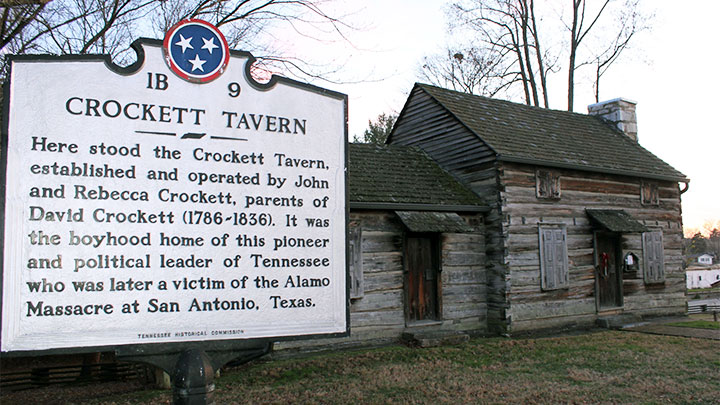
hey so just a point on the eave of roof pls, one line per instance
(593, 169)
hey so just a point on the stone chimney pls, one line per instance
(619, 112)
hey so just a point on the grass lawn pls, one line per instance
(602, 367)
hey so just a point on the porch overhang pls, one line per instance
(433, 221)
(615, 221)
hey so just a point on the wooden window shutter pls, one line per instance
(357, 288)
(554, 272)
(654, 257)
(650, 193)
(547, 184)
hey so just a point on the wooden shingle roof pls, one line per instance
(402, 176)
(533, 135)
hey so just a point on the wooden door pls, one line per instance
(608, 270)
(421, 278)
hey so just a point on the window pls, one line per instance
(554, 272)
(631, 264)
(654, 257)
(547, 184)
(357, 289)
(649, 193)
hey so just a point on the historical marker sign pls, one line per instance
(176, 201)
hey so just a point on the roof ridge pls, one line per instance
(500, 100)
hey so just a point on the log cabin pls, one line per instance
(416, 250)
(416, 241)
(584, 225)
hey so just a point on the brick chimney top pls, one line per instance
(619, 112)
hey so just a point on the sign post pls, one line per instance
(174, 201)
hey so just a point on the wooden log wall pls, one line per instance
(378, 316)
(429, 126)
(483, 180)
(522, 211)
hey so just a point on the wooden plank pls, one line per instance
(464, 275)
(377, 318)
(476, 311)
(569, 321)
(571, 173)
(600, 186)
(536, 295)
(463, 241)
(374, 262)
(639, 302)
(459, 293)
(523, 199)
(383, 281)
(381, 300)
(570, 197)
(518, 243)
(553, 309)
(462, 259)
(378, 241)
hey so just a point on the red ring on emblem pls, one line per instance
(204, 78)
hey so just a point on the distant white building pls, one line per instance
(702, 278)
(705, 259)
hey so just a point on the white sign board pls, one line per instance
(141, 207)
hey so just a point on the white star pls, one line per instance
(209, 45)
(184, 43)
(197, 63)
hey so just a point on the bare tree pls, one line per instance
(630, 22)
(511, 30)
(538, 53)
(15, 17)
(244, 22)
(109, 26)
(472, 70)
(79, 26)
(508, 29)
(616, 37)
(578, 32)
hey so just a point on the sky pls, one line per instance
(671, 72)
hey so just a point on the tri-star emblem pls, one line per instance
(196, 51)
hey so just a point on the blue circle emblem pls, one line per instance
(196, 51)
